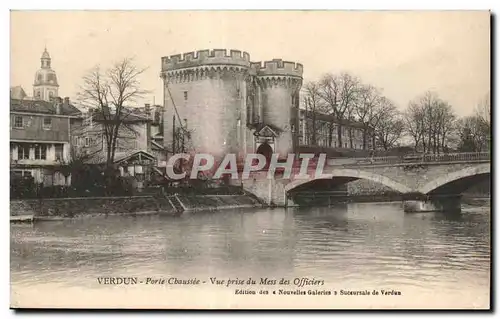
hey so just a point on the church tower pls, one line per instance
(45, 86)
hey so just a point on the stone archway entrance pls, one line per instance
(266, 150)
(265, 141)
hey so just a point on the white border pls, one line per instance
(186, 5)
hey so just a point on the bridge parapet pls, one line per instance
(412, 159)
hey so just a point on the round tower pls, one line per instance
(279, 83)
(45, 86)
(205, 94)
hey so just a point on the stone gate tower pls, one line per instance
(229, 104)
(278, 84)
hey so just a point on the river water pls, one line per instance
(431, 260)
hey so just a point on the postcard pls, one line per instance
(250, 160)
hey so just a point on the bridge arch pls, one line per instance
(355, 174)
(477, 170)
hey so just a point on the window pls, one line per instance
(47, 123)
(87, 142)
(185, 95)
(40, 151)
(18, 122)
(23, 152)
(59, 152)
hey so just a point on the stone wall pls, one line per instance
(95, 206)
(83, 206)
(367, 187)
(217, 202)
(270, 191)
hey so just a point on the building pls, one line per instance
(229, 104)
(355, 135)
(18, 93)
(45, 86)
(138, 151)
(41, 129)
(40, 137)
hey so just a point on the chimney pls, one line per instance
(147, 108)
(66, 101)
(57, 104)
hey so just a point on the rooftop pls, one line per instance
(43, 107)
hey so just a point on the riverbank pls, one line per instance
(54, 209)
(28, 210)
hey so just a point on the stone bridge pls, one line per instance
(430, 174)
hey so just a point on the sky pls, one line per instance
(403, 53)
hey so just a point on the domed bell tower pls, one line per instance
(45, 86)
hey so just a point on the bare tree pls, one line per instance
(483, 110)
(474, 131)
(390, 126)
(471, 134)
(313, 105)
(109, 93)
(483, 114)
(370, 109)
(429, 120)
(339, 95)
(444, 124)
(414, 123)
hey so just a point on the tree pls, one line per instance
(370, 109)
(483, 110)
(429, 120)
(313, 104)
(390, 126)
(339, 95)
(483, 115)
(444, 124)
(471, 134)
(109, 94)
(414, 123)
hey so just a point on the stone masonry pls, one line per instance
(404, 179)
(224, 99)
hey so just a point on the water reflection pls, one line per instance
(354, 245)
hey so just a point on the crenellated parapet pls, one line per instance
(205, 57)
(204, 72)
(277, 67)
(204, 64)
(271, 81)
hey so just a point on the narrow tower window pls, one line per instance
(185, 95)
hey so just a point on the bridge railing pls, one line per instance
(412, 159)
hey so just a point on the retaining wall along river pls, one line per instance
(61, 208)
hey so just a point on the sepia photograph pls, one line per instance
(294, 159)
